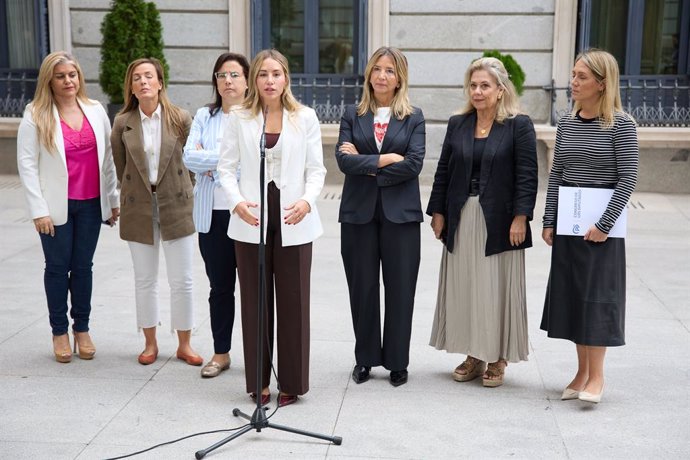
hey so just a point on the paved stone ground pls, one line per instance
(112, 406)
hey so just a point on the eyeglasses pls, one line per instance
(224, 75)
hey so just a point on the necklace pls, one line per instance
(483, 130)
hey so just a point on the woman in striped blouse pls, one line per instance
(211, 207)
(596, 147)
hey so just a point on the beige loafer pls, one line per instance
(213, 369)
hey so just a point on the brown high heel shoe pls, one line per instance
(83, 345)
(61, 348)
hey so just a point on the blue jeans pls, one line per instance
(69, 258)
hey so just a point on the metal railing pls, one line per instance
(17, 88)
(327, 94)
(652, 101)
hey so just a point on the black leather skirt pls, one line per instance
(585, 296)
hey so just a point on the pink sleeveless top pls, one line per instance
(81, 153)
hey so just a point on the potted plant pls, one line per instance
(130, 30)
(515, 72)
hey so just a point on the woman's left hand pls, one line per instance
(518, 230)
(114, 217)
(595, 235)
(296, 212)
(349, 148)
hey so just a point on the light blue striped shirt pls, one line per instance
(204, 131)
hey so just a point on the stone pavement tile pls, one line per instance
(676, 300)
(37, 448)
(436, 424)
(60, 409)
(622, 429)
(148, 419)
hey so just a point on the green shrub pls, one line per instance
(130, 30)
(515, 72)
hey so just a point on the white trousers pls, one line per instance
(178, 263)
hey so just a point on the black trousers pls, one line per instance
(395, 249)
(218, 251)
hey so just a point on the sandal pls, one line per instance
(493, 377)
(470, 369)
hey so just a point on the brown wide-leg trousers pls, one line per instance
(288, 274)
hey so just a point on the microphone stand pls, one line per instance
(258, 420)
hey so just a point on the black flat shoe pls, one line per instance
(360, 374)
(398, 377)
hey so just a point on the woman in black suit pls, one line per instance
(481, 204)
(380, 150)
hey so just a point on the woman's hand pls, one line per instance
(595, 235)
(386, 159)
(44, 225)
(438, 221)
(518, 230)
(348, 148)
(113, 218)
(296, 212)
(547, 236)
(243, 210)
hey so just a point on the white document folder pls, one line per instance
(580, 207)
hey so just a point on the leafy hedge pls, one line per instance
(131, 30)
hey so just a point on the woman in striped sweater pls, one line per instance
(596, 147)
(211, 207)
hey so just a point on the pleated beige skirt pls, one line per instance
(481, 308)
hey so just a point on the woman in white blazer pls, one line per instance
(66, 167)
(294, 178)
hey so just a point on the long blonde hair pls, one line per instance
(173, 116)
(253, 100)
(508, 104)
(400, 105)
(604, 67)
(44, 100)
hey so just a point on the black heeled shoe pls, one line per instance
(360, 374)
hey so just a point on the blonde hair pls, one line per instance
(172, 116)
(253, 100)
(400, 105)
(508, 104)
(604, 67)
(44, 100)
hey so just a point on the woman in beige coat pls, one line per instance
(156, 202)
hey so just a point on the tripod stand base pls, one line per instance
(258, 421)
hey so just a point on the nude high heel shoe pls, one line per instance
(569, 394)
(83, 345)
(61, 348)
(591, 397)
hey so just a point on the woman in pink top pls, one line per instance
(66, 166)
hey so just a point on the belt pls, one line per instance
(474, 187)
(153, 188)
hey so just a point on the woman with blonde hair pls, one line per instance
(596, 147)
(481, 203)
(157, 195)
(66, 167)
(294, 178)
(380, 150)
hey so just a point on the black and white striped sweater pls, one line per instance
(588, 155)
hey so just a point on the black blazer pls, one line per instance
(508, 180)
(398, 183)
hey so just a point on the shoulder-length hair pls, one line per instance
(253, 101)
(604, 67)
(400, 105)
(44, 100)
(508, 104)
(173, 116)
(217, 103)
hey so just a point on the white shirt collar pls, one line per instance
(155, 115)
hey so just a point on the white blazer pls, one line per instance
(302, 172)
(44, 174)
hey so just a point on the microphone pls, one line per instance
(262, 142)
